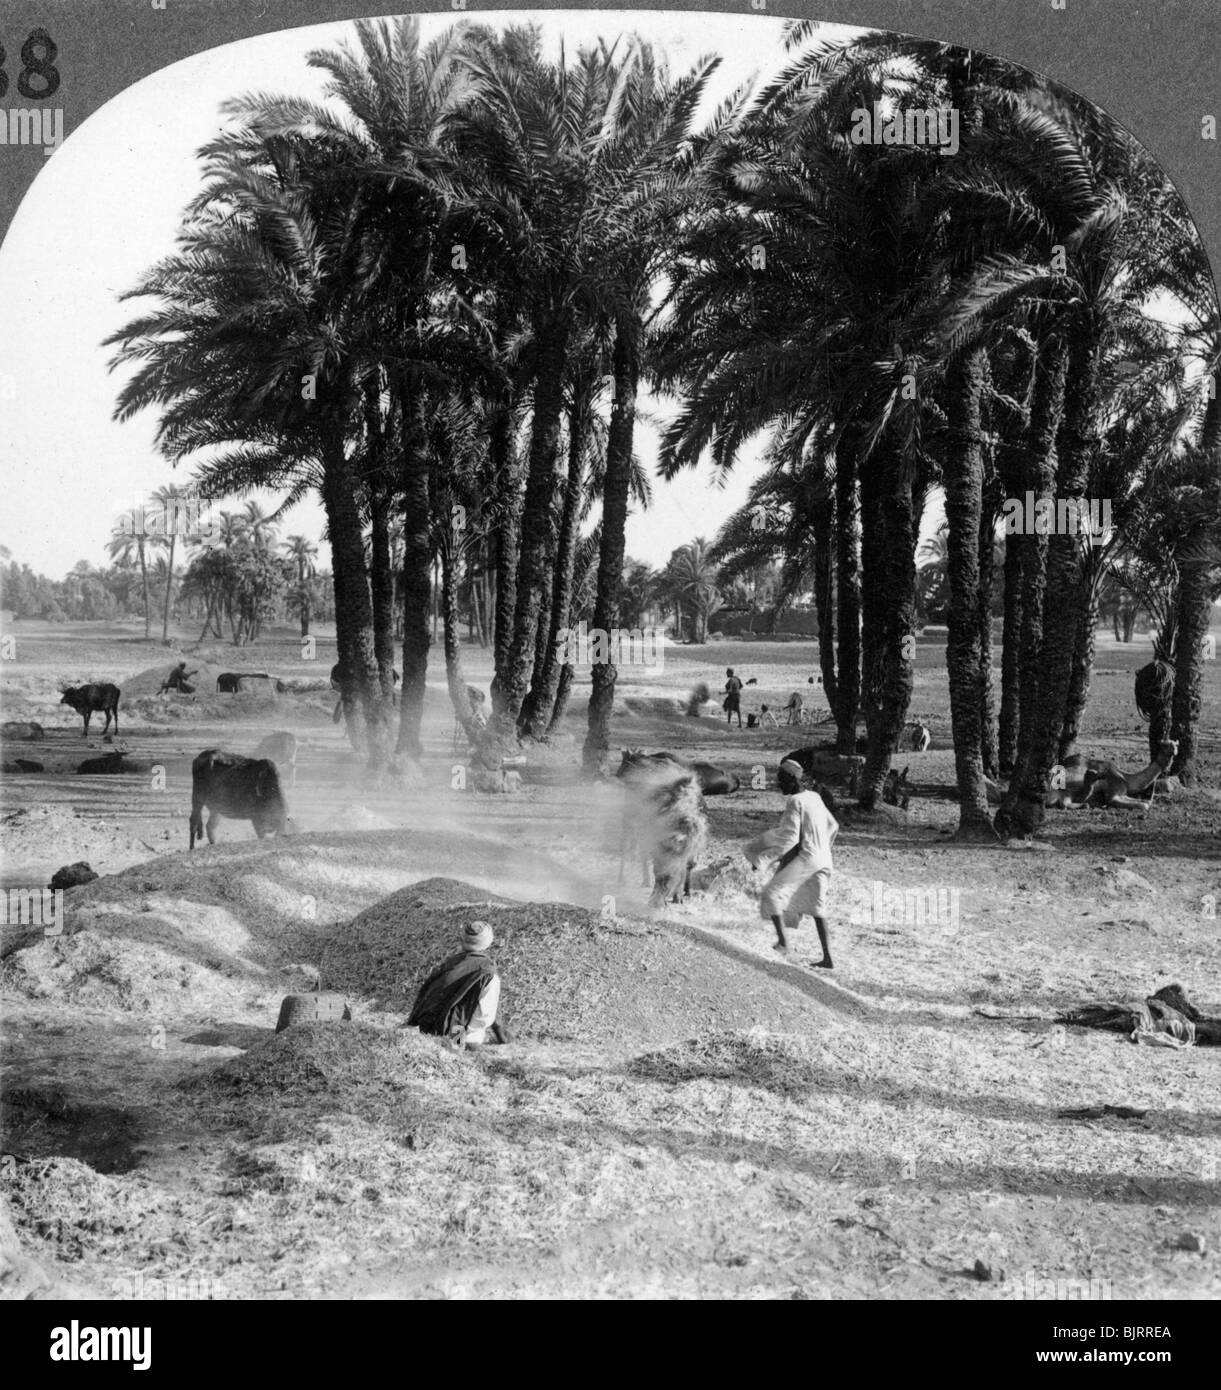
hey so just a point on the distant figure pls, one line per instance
(802, 844)
(460, 998)
(179, 679)
(754, 680)
(795, 707)
(766, 717)
(733, 698)
(696, 701)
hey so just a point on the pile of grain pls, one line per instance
(316, 1057)
(567, 973)
(150, 681)
(71, 1209)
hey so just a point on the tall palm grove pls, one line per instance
(435, 297)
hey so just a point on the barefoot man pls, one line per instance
(802, 843)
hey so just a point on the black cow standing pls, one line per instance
(86, 699)
(337, 684)
(241, 788)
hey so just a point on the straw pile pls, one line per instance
(567, 973)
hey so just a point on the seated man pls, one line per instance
(766, 717)
(460, 998)
(179, 679)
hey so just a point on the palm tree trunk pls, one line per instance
(539, 645)
(963, 481)
(1083, 668)
(144, 583)
(987, 582)
(1010, 656)
(824, 571)
(873, 565)
(848, 597)
(382, 578)
(536, 513)
(894, 603)
(169, 583)
(1194, 610)
(625, 367)
(510, 493)
(454, 679)
(1022, 809)
(353, 603)
(417, 580)
(567, 674)
(1041, 740)
(537, 711)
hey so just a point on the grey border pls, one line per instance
(1152, 64)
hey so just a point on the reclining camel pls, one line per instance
(1080, 782)
(1104, 784)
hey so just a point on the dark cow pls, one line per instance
(228, 683)
(88, 699)
(714, 781)
(229, 784)
(826, 763)
(111, 763)
(337, 683)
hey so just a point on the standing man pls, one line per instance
(733, 698)
(459, 1000)
(802, 844)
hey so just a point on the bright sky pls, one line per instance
(107, 206)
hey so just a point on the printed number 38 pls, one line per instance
(39, 78)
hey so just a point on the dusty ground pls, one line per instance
(693, 1118)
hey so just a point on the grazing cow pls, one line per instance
(281, 747)
(229, 683)
(826, 763)
(240, 788)
(664, 818)
(88, 699)
(919, 737)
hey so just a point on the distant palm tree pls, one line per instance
(261, 526)
(127, 546)
(303, 553)
(693, 578)
(168, 499)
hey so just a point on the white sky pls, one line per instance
(107, 205)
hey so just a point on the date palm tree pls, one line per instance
(303, 554)
(128, 545)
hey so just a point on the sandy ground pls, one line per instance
(728, 1125)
